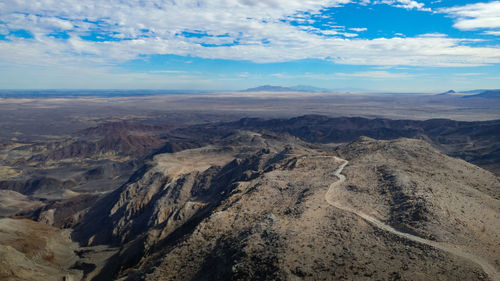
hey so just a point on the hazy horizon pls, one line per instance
(208, 91)
(394, 46)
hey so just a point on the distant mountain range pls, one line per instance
(488, 94)
(476, 91)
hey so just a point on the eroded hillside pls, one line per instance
(305, 198)
(263, 214)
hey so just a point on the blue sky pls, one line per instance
(377, 45)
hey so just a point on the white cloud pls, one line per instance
(476, 16)
(433, 35)
(469, 74)
(358, 29)
(333, 32)
(491, 32)
(405, 4)
(342, 76)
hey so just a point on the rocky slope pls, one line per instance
(415, 188)
(12, 202)
(256, 209)
(173, 187)
(31, 251)
(476, 142)
(263, 199)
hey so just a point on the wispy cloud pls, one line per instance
(166, 71)
(491, 32)
(476, 16)
(376, 75)
(469, 74)
(358, 29)
(342, 75)
(405, 4)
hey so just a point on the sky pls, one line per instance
(373, 45)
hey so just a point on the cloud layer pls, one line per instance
(110, 32)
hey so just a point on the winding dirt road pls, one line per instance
(452, 249)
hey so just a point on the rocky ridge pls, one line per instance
(263, 215)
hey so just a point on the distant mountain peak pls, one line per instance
(447, 93)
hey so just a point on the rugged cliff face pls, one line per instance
(267, 207)
(171, 188)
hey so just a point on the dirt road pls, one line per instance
(452, 249)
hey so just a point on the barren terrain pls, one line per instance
(189, 187)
